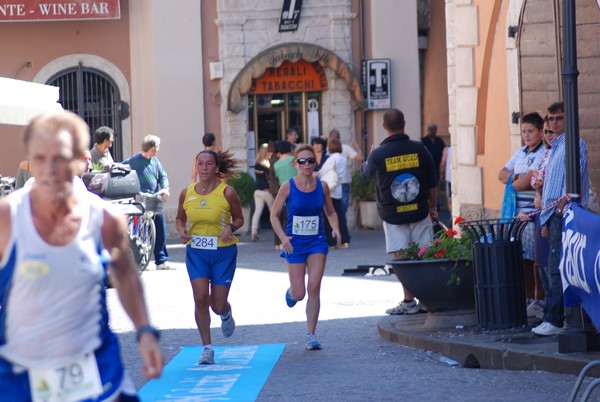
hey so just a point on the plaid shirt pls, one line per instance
(555, 180)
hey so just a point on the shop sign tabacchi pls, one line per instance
(301, 76)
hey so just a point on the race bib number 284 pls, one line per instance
(204, 242)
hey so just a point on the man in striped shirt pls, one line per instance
(551, 216)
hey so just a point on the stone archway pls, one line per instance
(274, 56)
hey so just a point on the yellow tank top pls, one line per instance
(208, 214)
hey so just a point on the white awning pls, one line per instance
(20, 101)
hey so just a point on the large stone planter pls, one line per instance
(445, 287)
(369, 218)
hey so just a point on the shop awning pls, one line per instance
(20, 101)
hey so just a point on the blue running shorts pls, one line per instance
(304, 248)
(15, 387)
(218, 265)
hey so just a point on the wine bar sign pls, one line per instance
(54, 10)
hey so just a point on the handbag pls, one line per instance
(509, 202)
(331, 178)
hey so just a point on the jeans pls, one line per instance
(160, 246)
(343, 225)
(345, 197)
(261, 197)
(554, 310)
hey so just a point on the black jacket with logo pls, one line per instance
(405, 174)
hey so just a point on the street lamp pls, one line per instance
(579, 334)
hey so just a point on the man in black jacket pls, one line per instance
(406, 193)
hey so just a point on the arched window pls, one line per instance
(95, 97)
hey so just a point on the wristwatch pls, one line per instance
(147, 329)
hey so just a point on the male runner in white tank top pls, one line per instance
(54, 335)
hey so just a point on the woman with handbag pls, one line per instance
(331, 173)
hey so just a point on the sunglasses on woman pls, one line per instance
(302, 161)
(548, 131)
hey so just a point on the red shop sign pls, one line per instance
(54, 10)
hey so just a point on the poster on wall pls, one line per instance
(290, 15)
(376, 77)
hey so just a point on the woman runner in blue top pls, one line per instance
(304, 243)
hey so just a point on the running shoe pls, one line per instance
(228, 325)
(546, 329)
(408, 308)
(312, 343)
(534, 309)
(289, 299)
(208, 356)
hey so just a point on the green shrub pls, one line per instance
(244, 185)
(362, 189)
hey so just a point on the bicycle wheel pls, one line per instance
(147, 237)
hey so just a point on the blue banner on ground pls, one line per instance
(580, 260)
(238, 374)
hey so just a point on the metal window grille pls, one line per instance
(93, 96)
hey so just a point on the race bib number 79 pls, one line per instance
(305, 225)
(76, 381)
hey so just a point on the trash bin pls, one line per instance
(498, 272)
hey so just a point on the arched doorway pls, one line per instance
(273, 107)
(95, 97)
(287, 96)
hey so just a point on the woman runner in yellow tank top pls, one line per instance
(214, 213)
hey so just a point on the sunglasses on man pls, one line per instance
(303, 161)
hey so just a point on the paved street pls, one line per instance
(356, 364)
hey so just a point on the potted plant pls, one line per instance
(441, 277)
(363, 190)
(244, 185)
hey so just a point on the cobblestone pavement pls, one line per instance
(356, 364)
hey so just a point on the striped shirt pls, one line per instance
(522, 162)
(555, 180)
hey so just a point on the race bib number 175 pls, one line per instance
(305, 225)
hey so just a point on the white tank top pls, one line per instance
(53, 307)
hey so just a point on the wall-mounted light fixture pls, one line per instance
(27, 64)
(515, 116)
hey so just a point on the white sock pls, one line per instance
(226, 315)
(209, 347)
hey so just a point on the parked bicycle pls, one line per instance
(142, 226)
(140, 244)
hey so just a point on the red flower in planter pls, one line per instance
(459, 220)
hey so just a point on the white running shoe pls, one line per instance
(534, 309)
(411, 307)
(208, 356)
(546, 329)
